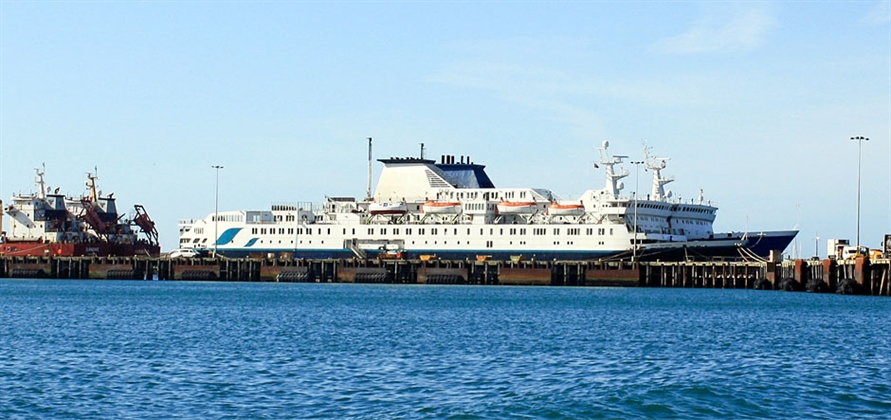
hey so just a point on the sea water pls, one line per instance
(137, 349)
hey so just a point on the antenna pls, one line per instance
(368, 193)
(422, 150)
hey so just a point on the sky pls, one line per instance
(755, 102)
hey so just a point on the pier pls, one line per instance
(853, 276)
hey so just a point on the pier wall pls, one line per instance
(858, 276)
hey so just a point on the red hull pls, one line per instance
(40, 249)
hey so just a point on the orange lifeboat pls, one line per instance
(556, 209)
(442, 207)
(516, 207)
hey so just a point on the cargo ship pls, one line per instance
(451, 209)
(46, 223)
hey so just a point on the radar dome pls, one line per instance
(606, 144)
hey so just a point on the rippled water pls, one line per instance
(75, 349)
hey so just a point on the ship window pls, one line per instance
(370, 231)
(383, 231)
(556, 231)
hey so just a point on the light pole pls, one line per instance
(859, 140)
(816, 247)
(216, 211)
(636, 185)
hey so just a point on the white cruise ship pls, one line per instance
(452, 210)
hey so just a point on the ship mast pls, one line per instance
(41, 184)
(656, 164)
(94, 196)
(612, 177)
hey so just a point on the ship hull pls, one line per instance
(736, 245)
(55, 249)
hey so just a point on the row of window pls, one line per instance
(489, 244)
(273, 231)
(676, 221)
(433, 231)
(487, 195)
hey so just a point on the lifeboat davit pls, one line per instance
(442, 207)
(556, 209)
(516, 207)
(387, 208)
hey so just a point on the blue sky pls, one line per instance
(754, 102)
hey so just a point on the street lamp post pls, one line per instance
(816, 247)
(216, 211)
(636, 185)
(859, 140)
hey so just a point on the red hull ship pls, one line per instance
(51, 224)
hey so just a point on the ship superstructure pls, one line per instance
(452, 210)
(46, 223)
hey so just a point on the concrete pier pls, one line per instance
(856, 276)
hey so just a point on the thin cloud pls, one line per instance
(880, 14)
(743, 31)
